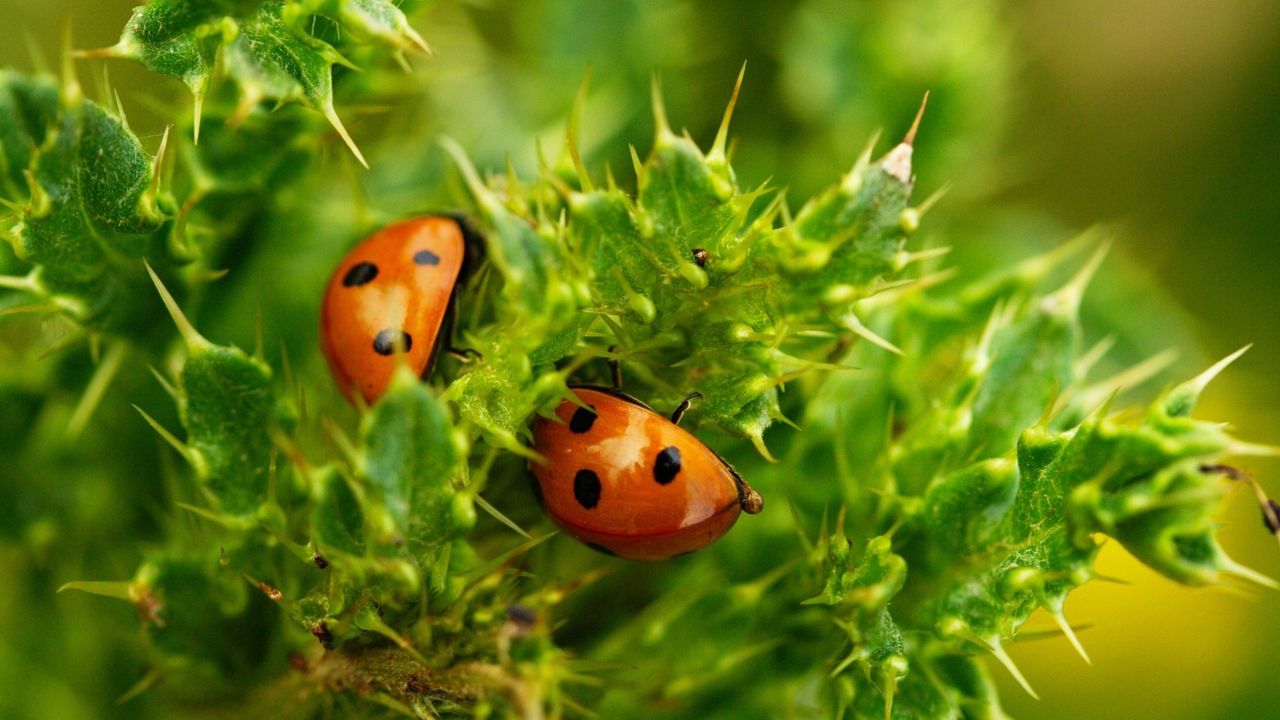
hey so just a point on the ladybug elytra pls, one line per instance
(388, 301)
(629, 482)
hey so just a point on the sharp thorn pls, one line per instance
(500, 517)
(1235, 569)
(1201, 381)
(158, 163)
(1067, 630)
(117, 589)
(196, 112)
(174, 442)
(910, 138)
(717, 153)
(757, 439)
(660, 125)
(1000, 654)
(190, 335)
(70, 90)
(97, 388)
(855, 326)
(332, 116)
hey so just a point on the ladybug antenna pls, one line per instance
(683, 407)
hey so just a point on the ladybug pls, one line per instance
(629, 482)
(390, 298)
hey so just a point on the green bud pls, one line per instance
(463, 512)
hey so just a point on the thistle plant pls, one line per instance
(941, 453)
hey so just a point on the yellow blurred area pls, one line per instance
(1158, 649)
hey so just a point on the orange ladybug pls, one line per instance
(390, 297)
(629, 482)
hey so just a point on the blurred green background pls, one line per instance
(1161, 119)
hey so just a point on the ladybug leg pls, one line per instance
(615, 367)
(465, 354)
(680, 410)
(751, 501)
(446, 334)
(842, 344)
(1270, 508)
(748, 498)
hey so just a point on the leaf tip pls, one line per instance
(1000, 654)
(1181, 399)
(1234, 569)
(190, 335)
(718, 147)
(1067, 299)
(910, 137)
(661, 127)
(332, 116)
(196, 112)
(70, 88)
(1070, 633)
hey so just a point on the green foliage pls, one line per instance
(87, 199)
(953, 465)
(225, 403)
(693, 284)
(271, 49)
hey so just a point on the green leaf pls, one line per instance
(690, 280)
(381, 20)
(1031, 361)
(91, 205)
(269, 49)
(227, 406)
(28, 110)
(337, 519)
(687, 204)
(179, 37)
(409, 464)
(851, 235)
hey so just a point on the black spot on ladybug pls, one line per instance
(586, 488)
(426, 257)
(602, 549)
(360, 274)
(700, 257)
(385, 342)
(667, 465)
(582, 420)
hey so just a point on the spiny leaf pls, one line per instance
(228, 407)
(378, 19)
(269, 49)
(90, 207)
(694, 283)
(409, 462)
